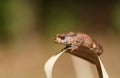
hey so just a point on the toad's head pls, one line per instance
(66, 39)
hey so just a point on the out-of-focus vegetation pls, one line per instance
(116, 17)
(4, 28)
(52, 17)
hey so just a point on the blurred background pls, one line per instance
(28, 27)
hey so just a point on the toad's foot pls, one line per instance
(73, 48)
(67, 47)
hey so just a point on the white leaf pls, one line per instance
(50, 64)
(104, 72)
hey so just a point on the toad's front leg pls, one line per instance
(71, 47)
(67, 47)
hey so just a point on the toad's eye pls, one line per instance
(62, 37)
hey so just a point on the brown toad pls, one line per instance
(74, 40)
